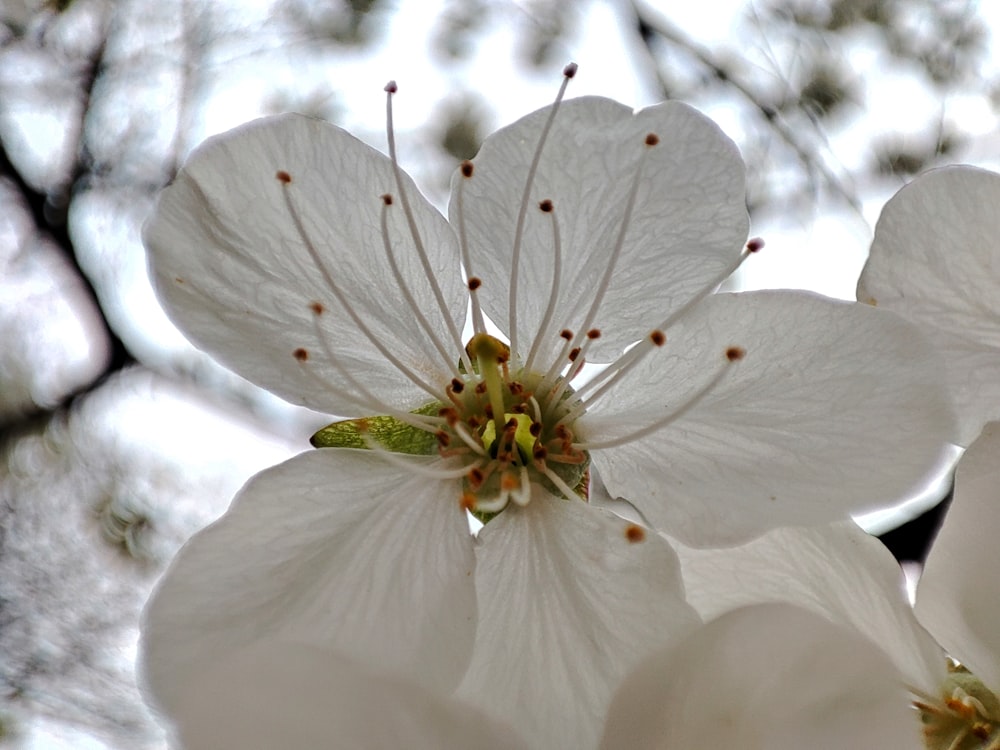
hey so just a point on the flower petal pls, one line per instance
(770, 677)
(838, 572)
(689, 221)
(335, 548)
(835, 408)
(234, 271)
(570, 599)
(935, 259)
(291, 695)
(958, 597)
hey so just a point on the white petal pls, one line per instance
(234, 273)
(568, 605)
(836, 571)
(770, 677)
(935, 259)
(689, 221)
(958, 597)
(335, 548)
(836, 407)
(291, 695)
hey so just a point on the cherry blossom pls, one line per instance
(310, 264)
(935, 259)
(850, 580)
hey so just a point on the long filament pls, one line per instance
(568, 72)
(390, 89)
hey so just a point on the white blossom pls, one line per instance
(310, 264)
(936, 260)
(851, 580)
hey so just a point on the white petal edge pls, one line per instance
(689, 221)
(233, 271)
(836, 408)
(935, 259)
(277, 694)
(958, 596)
(570, 599)
(769, 677)
(334, 548)
(837, 571)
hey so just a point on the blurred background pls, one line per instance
(118, 439)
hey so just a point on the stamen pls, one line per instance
(474, 282)
(370, 402)
(625, 362)
(568, 72)
(390, 89)
(616, 251)
(662, 422)
(342, 299)
(578, 358)
(463, 432)
(547, 208)
(446, 356)
(560, 484)
(560, 360)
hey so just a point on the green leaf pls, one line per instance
(393, 434)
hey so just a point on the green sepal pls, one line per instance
(394, 434)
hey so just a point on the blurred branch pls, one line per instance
(650, 27)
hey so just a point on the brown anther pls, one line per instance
(488, 410)
(317, 308)
(574, 353)
(511, 425)
(283, 176)
(450, 415)
(755, 245)
(518, 408)
(480, 388)
(386, 199)
(475, 476)
(535, 429)
(515, 388)
(474, 283)
(562, 432)
(467, 168)
(503, 356)
(391, 87)
(301, 354)
(594, 333)
(652, 139)
(546, 206)
(467, 501)
(570, 70)
(474, 422)
(634, 533)
(566, 334)
(659, 338)
(539, 453)
(734, 353)
(457, 386)
(982, 730)
(443, 438)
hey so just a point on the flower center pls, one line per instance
(496, 420)
(966, 717)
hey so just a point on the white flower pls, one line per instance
(936, 260)
(764, 677)
(277, 694)
(849, 578)
(310, 264)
